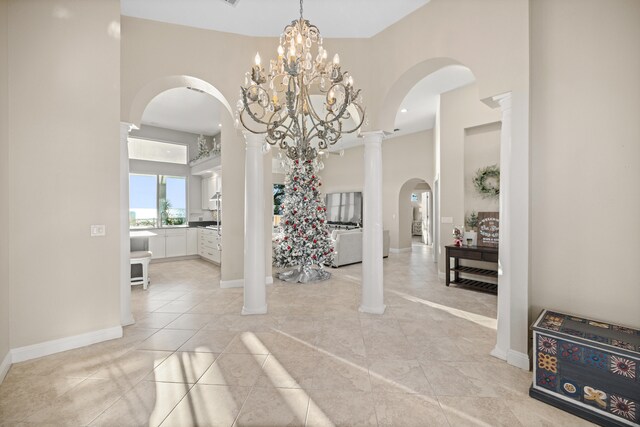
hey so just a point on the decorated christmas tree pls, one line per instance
(304, 241)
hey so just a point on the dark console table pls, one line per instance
(472, 277)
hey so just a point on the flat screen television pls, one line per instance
(344, 208)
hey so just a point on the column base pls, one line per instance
(499, 353)
(246, 311)
(372, 310)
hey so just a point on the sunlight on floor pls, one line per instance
(276, 371)
(403, 388)
(479, 319)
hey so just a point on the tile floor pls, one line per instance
(192, 359)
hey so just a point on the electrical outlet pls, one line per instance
(98, 230)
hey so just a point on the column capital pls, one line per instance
(504, 100)
(253, 139)
(125, 128)
(373, 136)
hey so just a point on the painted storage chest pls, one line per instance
(588, 368)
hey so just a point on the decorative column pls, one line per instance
(503, 338)
(126, 318)
(255, 293)
(372, 273)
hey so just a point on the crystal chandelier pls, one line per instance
(280, 104)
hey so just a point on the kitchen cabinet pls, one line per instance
(192, 241)
(210, 186)
(209, 245)
(157, 244)
(176, 242)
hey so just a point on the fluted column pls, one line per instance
(126, 318)
(503, 336)
(372, 272)
(255, 294)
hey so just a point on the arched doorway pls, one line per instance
(140, 102)
(511, 108)
(415, 211)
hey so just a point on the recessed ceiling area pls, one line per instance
(262, 18)
(184, 110)
(417, 111)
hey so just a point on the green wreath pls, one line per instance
(485, 188)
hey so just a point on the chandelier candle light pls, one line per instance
(279, 103)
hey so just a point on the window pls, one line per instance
(157, 200)
(156, 151)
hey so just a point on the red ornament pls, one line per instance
(330, 249)
(313, 188)
(313, 177)
(295, 188)
(314, 257)
(289, 248)
(286, 237)
(295, 178)
(305, 199)
(286, 222)
(315, 241)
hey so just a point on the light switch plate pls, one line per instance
(446, 220)
(98, 230)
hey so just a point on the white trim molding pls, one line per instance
(5, 365)
(239, 283)
(519, 360)
(46, 348)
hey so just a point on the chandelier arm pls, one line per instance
(247, 104)
(249, 129)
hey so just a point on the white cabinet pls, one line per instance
(176, 242)
(173, 242)
(157, 244)
(192, 241)
(209, 245)
(210, 186)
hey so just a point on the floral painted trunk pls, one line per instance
(586, 367)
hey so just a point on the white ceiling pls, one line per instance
(184, 110)
(422, 100)
(334, 18)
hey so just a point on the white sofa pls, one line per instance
(347, 246)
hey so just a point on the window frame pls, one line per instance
(158, 220)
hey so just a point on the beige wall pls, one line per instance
(5, 180)
(404, 158)
(585, 149)
(460, 109)
(489, 37)
(481, 149)
(64, 88)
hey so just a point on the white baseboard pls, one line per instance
(517, 359)
(399, 250)
(4, 366)
(499, 353)
(248, 312)
(239, 283)
(46, 348)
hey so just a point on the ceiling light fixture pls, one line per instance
(283, 110)
(219, 125)
(404, 110)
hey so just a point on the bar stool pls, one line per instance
(143, 258)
